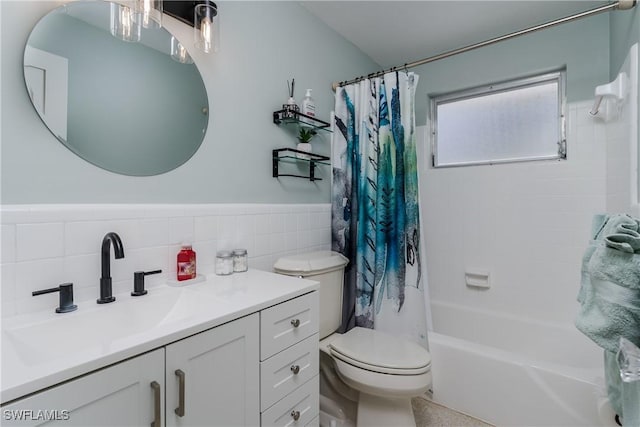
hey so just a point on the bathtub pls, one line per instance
(512, 371)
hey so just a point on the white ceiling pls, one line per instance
(396, 32)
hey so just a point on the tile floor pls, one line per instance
(430, 414)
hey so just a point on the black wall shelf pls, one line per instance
(289, 117)
(290, 155)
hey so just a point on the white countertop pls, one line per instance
(43, 349)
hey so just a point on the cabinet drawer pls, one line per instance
(288, 370)
(303, 404)
(285, 324)
(314, 422)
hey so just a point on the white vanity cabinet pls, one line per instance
(213, 377)
(216, 377)
(119, 395)
(289, 363)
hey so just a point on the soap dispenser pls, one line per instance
(186, 263)
(308, 107)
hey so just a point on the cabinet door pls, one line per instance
(217, 373)
(120, 395)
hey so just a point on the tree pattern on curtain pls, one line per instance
(375, 218)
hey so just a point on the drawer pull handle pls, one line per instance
(181, 380)
(295, 369)
(295, 415)
(157, 421)
(295, 322)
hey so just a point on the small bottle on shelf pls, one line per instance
(308, 107)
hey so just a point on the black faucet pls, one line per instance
(105, 281)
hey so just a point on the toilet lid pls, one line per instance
(380, 352)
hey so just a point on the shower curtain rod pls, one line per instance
(621, 5)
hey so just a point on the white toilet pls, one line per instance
(376, 372)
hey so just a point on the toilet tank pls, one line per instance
(326, 267)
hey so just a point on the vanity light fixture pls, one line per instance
(202, 15)
(179, 53)
(123, 24)
(149, 13)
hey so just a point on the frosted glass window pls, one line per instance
(515, 121)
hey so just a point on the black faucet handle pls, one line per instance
(66, 297)
(138, 282)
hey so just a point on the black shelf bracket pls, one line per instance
(299, 156)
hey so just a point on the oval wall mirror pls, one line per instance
(126, 107)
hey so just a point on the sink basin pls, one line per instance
(100, 328)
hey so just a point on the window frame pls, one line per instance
(558, 76)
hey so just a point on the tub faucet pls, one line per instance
(105, 281)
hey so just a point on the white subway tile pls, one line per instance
(84, 237)
(276, 222)
(205, 228)
(35, 275)
(304, 240)
(224, 245)
(246, 225)
(276, 243)
(304, 221)
(263, 224)
(227, 227)
(35, 241)
(172, 258)
(278, 209)
(245, 242)
(122, 269)
(8, 237)
(8, 289)
(290, 241)
(261, 263)
(61, 243)
(181, 229)
(128, 230)
(148, 259)
(154, 232)
(205, 253)
(290, 222)
(262, 245)
(83, 270)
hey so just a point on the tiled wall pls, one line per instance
(526, 224)
(45, 245)
(621, 130)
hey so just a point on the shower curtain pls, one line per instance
(375, 212)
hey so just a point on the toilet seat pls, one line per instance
(379, 384)
(379, 352)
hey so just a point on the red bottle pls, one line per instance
(186, 263)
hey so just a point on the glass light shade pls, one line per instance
(179, 53)
(123, 24)
(206, 29)
(149, 13)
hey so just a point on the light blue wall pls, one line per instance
(263, 44)
(582, 46)
(625, 31)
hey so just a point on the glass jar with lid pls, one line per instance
(224, 263)
(240, 260)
